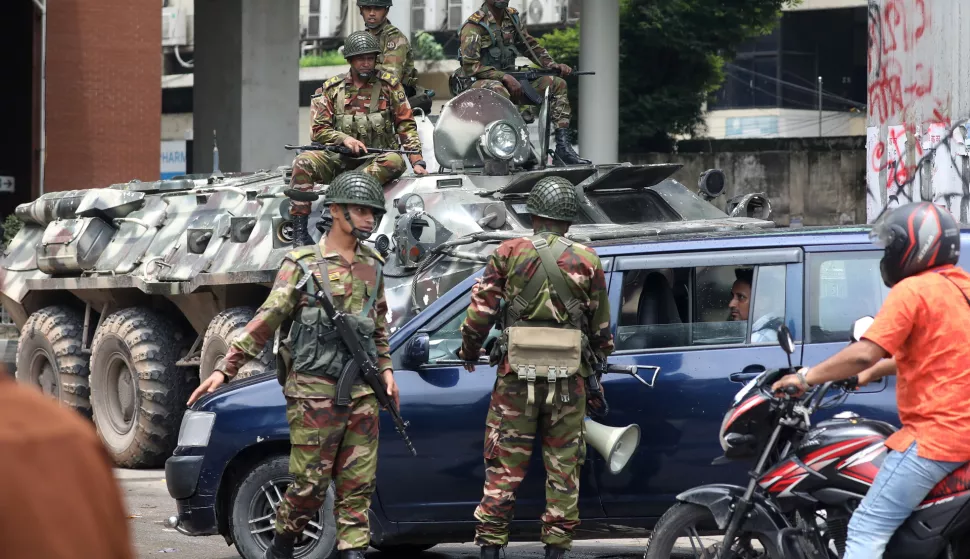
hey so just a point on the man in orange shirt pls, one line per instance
(924, 325)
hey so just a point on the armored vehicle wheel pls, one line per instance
(220, 333)
(49, 356)
(137, 392)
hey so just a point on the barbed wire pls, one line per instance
(928, 156)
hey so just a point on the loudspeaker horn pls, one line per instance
(616, 444)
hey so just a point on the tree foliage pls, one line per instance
(672, 54)
(426, 47)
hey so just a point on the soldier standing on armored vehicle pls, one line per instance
(328, 440)
(491, 39)
(555, 294)
(361, 109)
(396, 55)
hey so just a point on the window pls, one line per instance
(844, 287)
(647, 207)
(446, 340)
(706, 305)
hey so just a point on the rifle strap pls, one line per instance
(323, 278)
(375, 96)
(518, 31)
(338, 109)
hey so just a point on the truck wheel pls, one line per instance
(137, 392)
(224, 327)
(253, 517)
(49, 356)
(684, 521)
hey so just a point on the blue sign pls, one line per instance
(173, 160)
(751, 126)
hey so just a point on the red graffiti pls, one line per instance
(894, 31)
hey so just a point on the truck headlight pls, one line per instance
(196, 428)
(500, 140)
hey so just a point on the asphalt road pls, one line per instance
(149, 505)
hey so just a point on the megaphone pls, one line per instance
(616, 444)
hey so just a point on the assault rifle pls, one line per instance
(314, 146)
(527, 75)
(360, 366)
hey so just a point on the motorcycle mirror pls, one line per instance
(785, 339)
(860, 326)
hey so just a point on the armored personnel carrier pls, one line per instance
(126, 295)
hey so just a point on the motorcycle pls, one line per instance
(806, 483)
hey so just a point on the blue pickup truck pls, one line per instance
(669, 298)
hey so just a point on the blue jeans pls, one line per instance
(902, 483)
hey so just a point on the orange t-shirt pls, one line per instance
(925, 324)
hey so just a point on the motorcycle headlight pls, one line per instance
(500, 140)
(196, 428)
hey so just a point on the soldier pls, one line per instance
(491, 39)
(545, 280)
(361, 109)
(396, 55)
(329, 441)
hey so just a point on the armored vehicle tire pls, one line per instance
(49, 356)
(137, 392)
(253, 515)
(220, 333)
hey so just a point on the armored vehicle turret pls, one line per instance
(126, 295)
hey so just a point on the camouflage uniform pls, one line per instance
(488, 49)
(396, 57)
(328, 441)
(510, 430)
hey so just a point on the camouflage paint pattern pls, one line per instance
(508, 271)
(349, 282)
(509, 438)
(321, 167)
(561, 111)
(476, 36)
(396, 56)
(338, 443)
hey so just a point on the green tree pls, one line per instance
(672, 54)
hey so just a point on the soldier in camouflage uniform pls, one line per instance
(396, 56)
(328, 441)
(360, 109)
(514, 415)
(491, 39)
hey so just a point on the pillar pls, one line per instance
(599, 51)
(246, 83)
(400, 16)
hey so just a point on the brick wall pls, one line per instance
(103, 98)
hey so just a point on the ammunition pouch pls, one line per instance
(375, 128)
(317, 348)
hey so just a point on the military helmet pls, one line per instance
(355, 187)
(553, 198)
(378, 3)
(360, 42)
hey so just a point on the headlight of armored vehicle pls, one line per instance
(500, 140)
(196, 428)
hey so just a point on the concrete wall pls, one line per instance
(919, 87)
(819, 182)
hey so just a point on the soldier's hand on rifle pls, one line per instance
(215, 380)
(514, 87)
(355, 145)
(564, 69)
(392, 389)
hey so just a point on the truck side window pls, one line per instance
(702, 306)
(843, 286)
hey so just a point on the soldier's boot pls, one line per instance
(564, 149)
(352, 554)
(490, 551)
(301, 235)
(553, 552)
(281, 548)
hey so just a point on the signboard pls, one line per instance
(6, 183)
(173, 159)
(752, 126)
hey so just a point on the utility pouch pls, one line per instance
(545, 352)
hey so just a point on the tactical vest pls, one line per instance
(314, 343)
(500, 55)
(375, 128)
(548, 350)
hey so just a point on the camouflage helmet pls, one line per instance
(360, 42)
(553, 198)
(378, 3)
(355, 187)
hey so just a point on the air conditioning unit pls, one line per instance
(321, 19)
(175, 29)
(429, 15)
(545, 12)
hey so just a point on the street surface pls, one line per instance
(149, 505)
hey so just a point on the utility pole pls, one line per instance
(820, 106)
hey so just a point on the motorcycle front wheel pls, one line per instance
(688, 530)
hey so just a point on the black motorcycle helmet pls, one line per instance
(916, 237)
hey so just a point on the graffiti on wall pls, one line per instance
(915, 149)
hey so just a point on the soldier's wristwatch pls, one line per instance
(420, 162)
